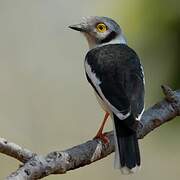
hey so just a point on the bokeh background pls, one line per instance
(46, 103)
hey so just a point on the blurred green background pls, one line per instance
(46, 103)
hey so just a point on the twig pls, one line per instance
(14, 150)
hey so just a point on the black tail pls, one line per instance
(127, 150)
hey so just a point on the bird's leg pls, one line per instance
(100, 134)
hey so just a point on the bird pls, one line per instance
(115, 73)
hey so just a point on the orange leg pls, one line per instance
(100, 134)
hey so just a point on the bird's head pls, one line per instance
(100, 31)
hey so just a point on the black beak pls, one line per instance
(78, 27)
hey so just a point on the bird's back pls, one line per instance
(118, 67)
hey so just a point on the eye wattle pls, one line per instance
(101, 27)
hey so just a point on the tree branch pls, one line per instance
(58, 162)
(15, 151)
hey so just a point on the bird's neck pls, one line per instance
(120, 39)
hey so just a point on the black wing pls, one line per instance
(118, 70)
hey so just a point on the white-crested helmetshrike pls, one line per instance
(116, 75)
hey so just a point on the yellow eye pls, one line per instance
(101, 27)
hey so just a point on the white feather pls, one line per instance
(126, 170)
(142, 69)
(140, 115)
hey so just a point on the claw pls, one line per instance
(103, 137)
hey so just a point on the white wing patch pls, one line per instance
(140, 115)
(142, 69)
(96, 83)
(92, 75)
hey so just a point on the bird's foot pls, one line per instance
(103, 137)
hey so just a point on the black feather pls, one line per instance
(120, 81)
(110, 37)
(118, 69)
(127, 143)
